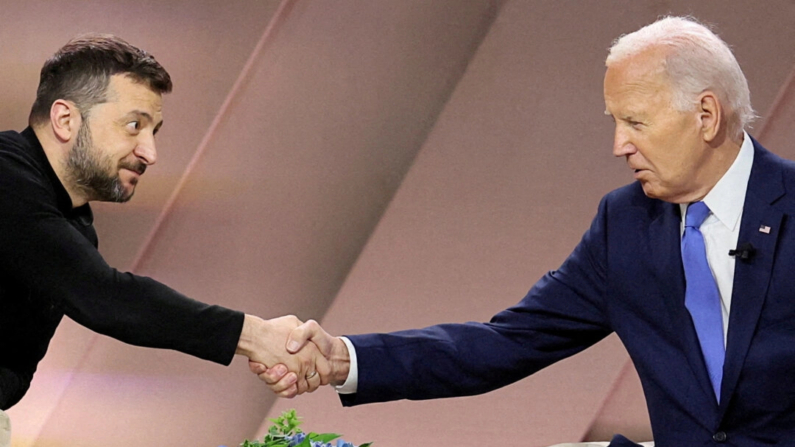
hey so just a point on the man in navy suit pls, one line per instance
(715, 354)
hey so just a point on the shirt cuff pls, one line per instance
(352, 382)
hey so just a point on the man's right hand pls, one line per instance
(263, 342)
(281, 381)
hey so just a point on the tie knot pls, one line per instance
(696, 213)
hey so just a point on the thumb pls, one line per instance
(256, 367)
(309, 331)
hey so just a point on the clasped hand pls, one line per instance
(313, 358)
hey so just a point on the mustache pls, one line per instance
(135, 166)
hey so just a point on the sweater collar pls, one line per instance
(64, 202)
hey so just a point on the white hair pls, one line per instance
(697, 60)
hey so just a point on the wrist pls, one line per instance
(246, 344)
(340, 363)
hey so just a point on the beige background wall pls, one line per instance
(375, 165)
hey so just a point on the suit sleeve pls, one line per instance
(561, 315)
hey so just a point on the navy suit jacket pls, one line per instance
(626, 276)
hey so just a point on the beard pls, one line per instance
(92, 173)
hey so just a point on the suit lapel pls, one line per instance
(665, 231)
(760, 226)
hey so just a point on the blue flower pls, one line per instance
(285, 431)
(296, 439)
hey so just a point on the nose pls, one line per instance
(622, 144)
(146, 150)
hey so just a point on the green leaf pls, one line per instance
(286, 426)
(324, 437)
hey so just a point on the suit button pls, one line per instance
(719, 436)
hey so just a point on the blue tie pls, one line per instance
(702, 298)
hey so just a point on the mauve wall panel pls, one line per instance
(502, 190)
(382, 165)
(74, 400)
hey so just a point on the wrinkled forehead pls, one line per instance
(649, 63)
(128, 92)
(125, 85)
(643, 72)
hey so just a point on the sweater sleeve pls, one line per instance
(14, 383)
(43, 253)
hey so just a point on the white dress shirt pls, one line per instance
(720, 229)
(352, 382)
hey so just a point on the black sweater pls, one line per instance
(50, 266)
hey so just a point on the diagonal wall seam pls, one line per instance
(788, 86)
(284, 9)
(488, 19)
(279, 17)
(422, 137)
(606, 399)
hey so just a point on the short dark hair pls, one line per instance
(81, 70)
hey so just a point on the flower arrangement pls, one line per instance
(285, 433)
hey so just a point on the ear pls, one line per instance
(65, 120)
(710, 115)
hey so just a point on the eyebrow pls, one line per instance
(148, 117)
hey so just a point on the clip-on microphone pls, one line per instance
(744, 251)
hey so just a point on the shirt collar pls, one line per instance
(727, 197)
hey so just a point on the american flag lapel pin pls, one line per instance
(764, 229)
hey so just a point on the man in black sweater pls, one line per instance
(91, 137)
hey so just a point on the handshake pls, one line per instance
(292, 357)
